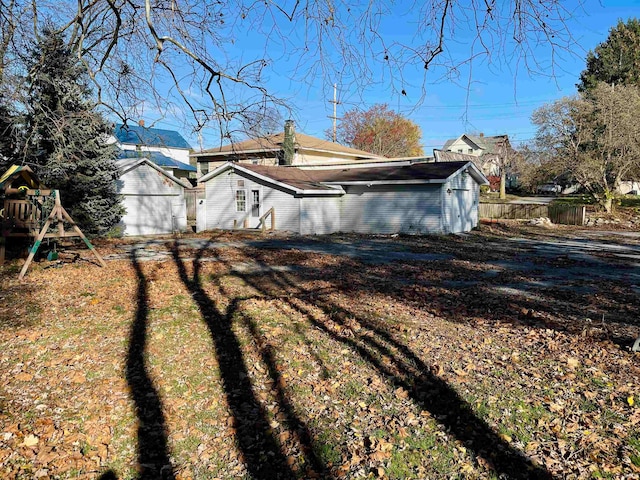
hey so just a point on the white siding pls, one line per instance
(221, 204)
(384, 209)
(461, 145)
(460, 204)
(391, 209)
(319, 215)
(179, 154)
(154, 203)
(625, 188)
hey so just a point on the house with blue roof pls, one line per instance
(166, 148)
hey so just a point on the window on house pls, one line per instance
(204, 168)
(459, 150)
(470, 151)
(241, 200)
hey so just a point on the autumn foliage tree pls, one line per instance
(380, 131)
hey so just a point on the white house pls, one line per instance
(408, 198)
(629, 187)
(154, 199)
(166, 148)
(486, 149)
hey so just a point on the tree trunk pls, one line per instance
(503, 183)
(607, 203)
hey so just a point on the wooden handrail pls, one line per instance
(263, 218)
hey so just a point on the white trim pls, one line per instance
(230, 165)
(234, 152)
(125, 168)
(235, 198)
(388, 182)
(150, 194)
(258, 189)
(336, 185)
(479, 176)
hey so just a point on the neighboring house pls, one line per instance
(486, 150)
(416, 198)
(166, 148)
(269, 150)
(154, 199)
(629, 187)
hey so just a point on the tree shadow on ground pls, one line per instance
(153, 451)
(504, 281)
(402, 368)
(261, 452)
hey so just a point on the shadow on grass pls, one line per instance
(262, 454)
(153, 451)
(401, 367)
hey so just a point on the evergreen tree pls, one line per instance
(615, 61)
(67, 136)
(9, 136)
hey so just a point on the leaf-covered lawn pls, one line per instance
(239, 362)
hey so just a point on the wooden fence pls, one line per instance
(560, 214)
(192, 196)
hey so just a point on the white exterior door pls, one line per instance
(255, 203)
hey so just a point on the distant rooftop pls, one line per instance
(150, 137)
(490, 144)
(157, 158)
(273, 143)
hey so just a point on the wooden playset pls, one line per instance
(25, 214)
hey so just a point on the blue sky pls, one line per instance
(494, 98)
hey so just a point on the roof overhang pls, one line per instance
(285, 186)
(464, 135)
(474, 171)
(389, 182)
(134, 162)
(235, 152)
(298, 148)
(470, 167)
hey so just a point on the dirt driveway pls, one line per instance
(578, 277)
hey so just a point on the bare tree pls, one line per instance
(181, 55)
(595, 137)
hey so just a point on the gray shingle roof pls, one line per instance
(319, 179)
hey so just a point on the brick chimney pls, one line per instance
(288, 143)
(141, 122)
(481, 134)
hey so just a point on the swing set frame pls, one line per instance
(23, 215)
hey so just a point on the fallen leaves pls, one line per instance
(30, 441)
(360, 352)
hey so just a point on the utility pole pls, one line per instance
(335, 106)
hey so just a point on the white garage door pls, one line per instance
(148, 214)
